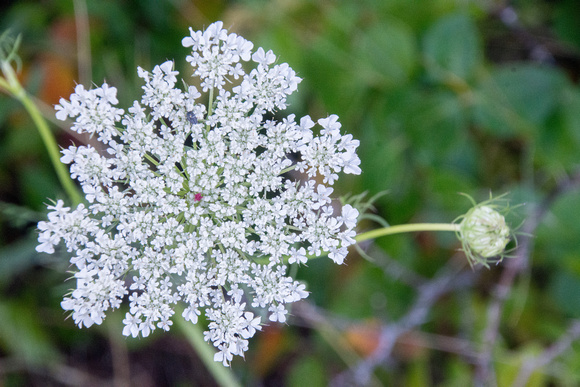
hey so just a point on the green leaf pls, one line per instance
(566, 21)
(386, 53)
(452, 48)
(308, 371)
(558, 143)
(508, 365)
(327, 76)
(458, 373)
(517, 99)
(437, 127)
(565, 291)
(444, 186)
(38, 185)
(22, 335)
(382, 153)
(557, 236)
(17, 258)
(570, 112)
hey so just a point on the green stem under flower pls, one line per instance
(193, 333)
(399, 229)
(402, 228)
(11, 84)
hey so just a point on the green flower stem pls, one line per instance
(399, 229)
(192, 332)
(413, 227)
(13, 87)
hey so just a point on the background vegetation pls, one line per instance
(446, 96)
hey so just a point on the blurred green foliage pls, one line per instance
(446, 96)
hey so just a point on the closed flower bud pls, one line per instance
(486, 232)
(483, 233)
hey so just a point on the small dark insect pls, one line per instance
(191, 118)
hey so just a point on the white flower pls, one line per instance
(278, 313)
(264, 59)
(349, 216)
(194, 203)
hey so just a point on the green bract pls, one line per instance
(484, 233)
(485, 230)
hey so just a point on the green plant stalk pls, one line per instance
(399, 229)
(12, 86)
(192, 332)
(402, 228)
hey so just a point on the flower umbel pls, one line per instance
(200, 205)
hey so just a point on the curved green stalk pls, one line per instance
(192, 332)
(11, 84)
(379, 232)
(402, 228)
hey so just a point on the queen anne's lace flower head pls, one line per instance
(200, 206)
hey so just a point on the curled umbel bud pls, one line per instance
(484, 234)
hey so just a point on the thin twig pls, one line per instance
(391, 267)
(330, 329)
(119, 357)
(483, 372)
(83, 41)
(454, 345)
(548, 355)
(448, 279)
(59, 373)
